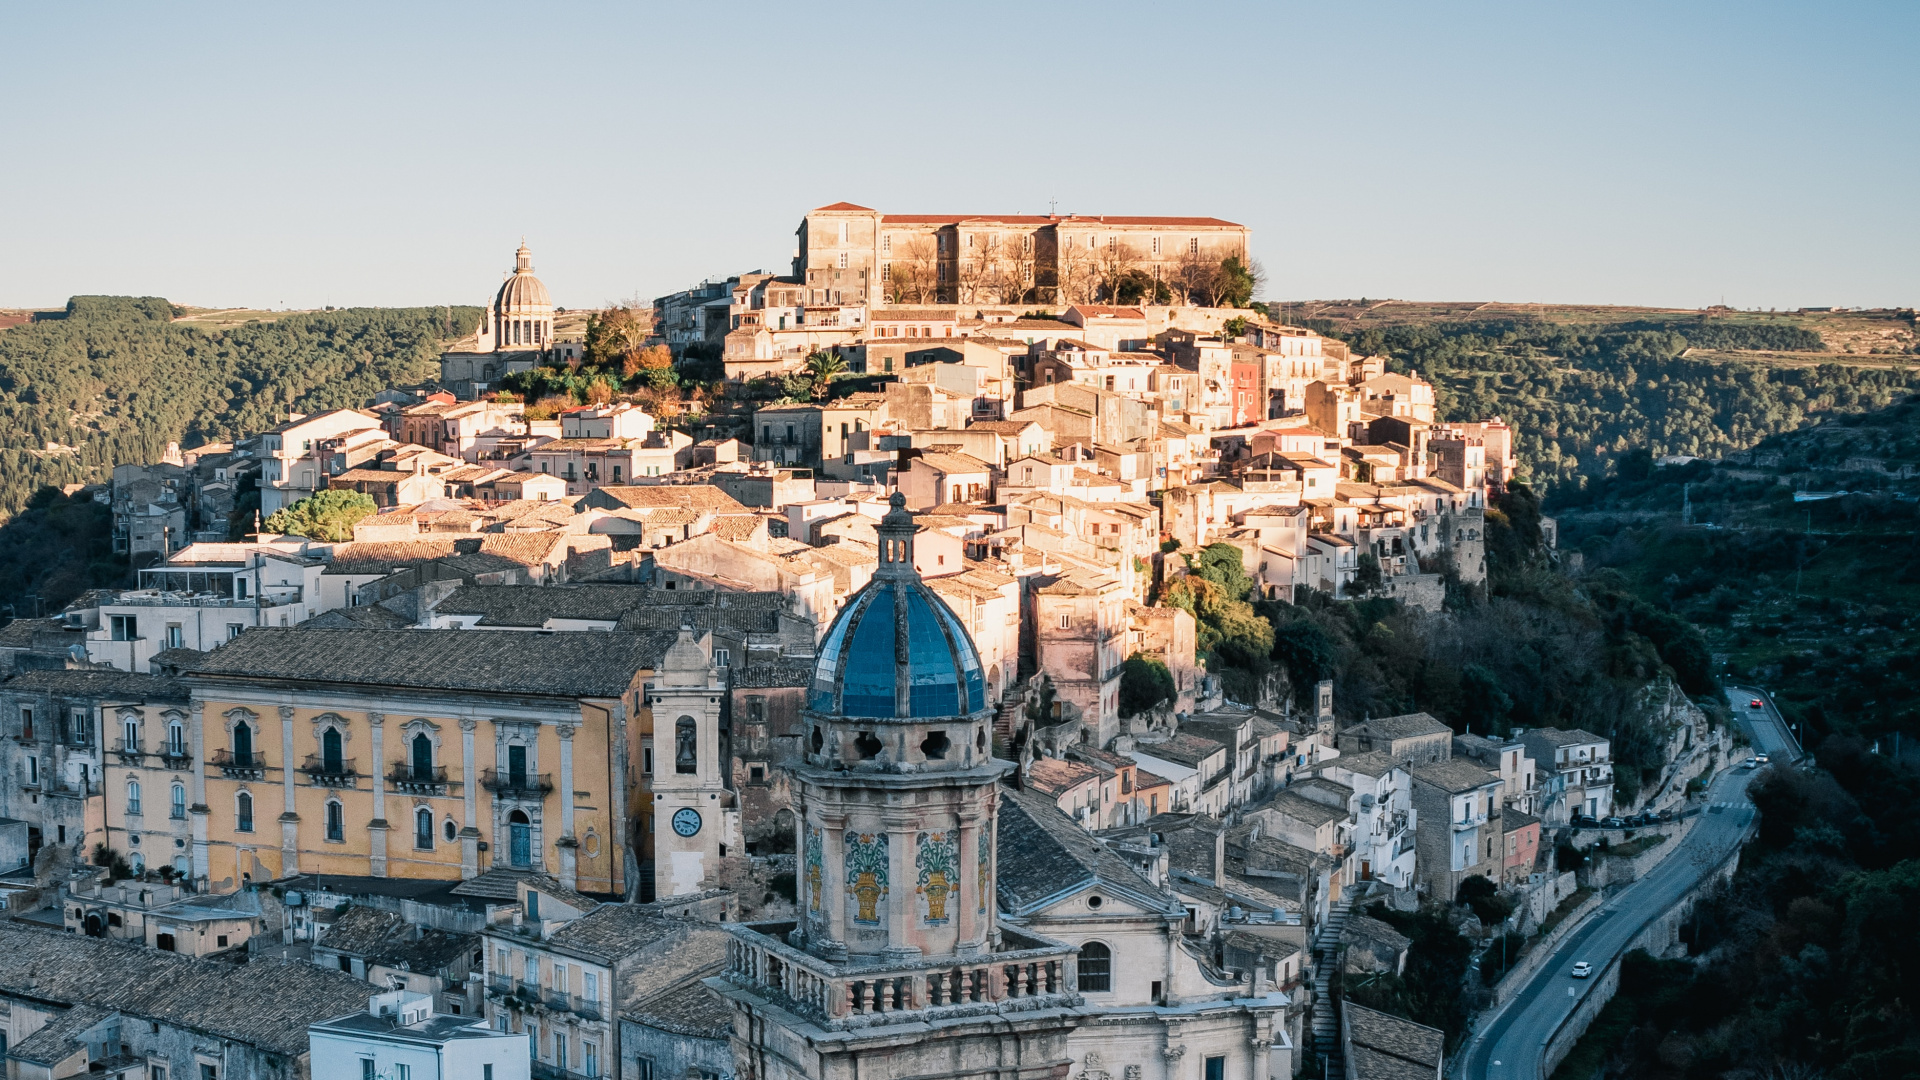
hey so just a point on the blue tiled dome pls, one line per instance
(865, 657)
(896, 651)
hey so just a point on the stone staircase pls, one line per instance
(1326, 1022)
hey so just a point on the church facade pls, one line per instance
(515, 333)
(913, 952)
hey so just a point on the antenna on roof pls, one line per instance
(1053, 208)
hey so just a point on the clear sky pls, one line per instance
(1767, 154)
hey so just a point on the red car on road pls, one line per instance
(1756, 703)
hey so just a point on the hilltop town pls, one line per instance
(542, 718)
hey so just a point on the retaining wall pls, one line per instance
(1660, 936)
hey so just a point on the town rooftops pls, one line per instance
(1183, 749)
(1300, 808)
(1043, 856)
(263, 1003)
(1558, 737)
(1375, 763)
(101, 683)
(687, 1008)
(1057, 776)
(1409, 726)
(612, 931)
(1454, 775)
(690, 496)
(569, 665)
(1381, 1046)
(436, 1030)
(1512, 820)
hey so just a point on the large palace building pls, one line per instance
(848, 255)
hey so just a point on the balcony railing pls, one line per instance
(251, 767)
(175, 757)
(517, 785)
(1034, 973)
(528, 995)
(129, 752)
(408, 779)
(340, 772)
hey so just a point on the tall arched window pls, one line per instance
(520, 839)
(132, 732)
(1096, 968)
(133, 796)
(423, 758)
(330, 757)
(423, 829)
(336, 821)
(243, 812)
(176, 737)
(242, 744)
(179, 803)
(686, 745)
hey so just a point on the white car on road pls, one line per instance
(1582, 969)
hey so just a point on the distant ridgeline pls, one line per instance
(114, 379)
(1579, 396)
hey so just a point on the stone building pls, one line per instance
(847, 255)
(415, 753)
(897, 803)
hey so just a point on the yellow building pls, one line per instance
(415, 754)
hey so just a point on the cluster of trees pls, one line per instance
(1581, 396)
(116, 379)
(54, 549)
(324, 515)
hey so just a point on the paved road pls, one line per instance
(1509, 1044)
(1766, 728)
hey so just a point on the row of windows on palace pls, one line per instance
(942, 242)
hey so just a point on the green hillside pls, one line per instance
(117, 378)
(1581, 395)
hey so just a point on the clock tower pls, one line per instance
(696, 816)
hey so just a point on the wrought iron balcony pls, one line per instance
(251, 767)
(340, 772)
(409, 779)
(511, 785)
(175, 757)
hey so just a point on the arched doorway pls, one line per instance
(95, 927)
(422, 757)
(519, 839)
(330, 755)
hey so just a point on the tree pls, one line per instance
(1144, 683)
(617, 333)
(911, 276)
(1116, 264)
(1237, 282)
(648, 358)
(324, 515)
(1367, 578)
(822, 368)
(1196, 277)
(1076, 271)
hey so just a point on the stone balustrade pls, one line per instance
(1028, 973)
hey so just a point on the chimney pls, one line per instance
(1219, 856)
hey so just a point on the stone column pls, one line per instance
(903, 903)
(198, 811)
(967, 918)
(833, 883)
(567, 846)
(470, 833)
(619, 850)
(377, 828)
(289, 820)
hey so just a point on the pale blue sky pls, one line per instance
(1663, 153)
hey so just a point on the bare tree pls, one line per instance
(1077, 273)
(910, 277)
(971, 266)
(1114, 261)
(1196, 277)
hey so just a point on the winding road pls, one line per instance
(1509, 1043)
(1766, 728)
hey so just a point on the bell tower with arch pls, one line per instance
(696, 816)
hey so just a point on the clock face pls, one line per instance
(686, 821)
